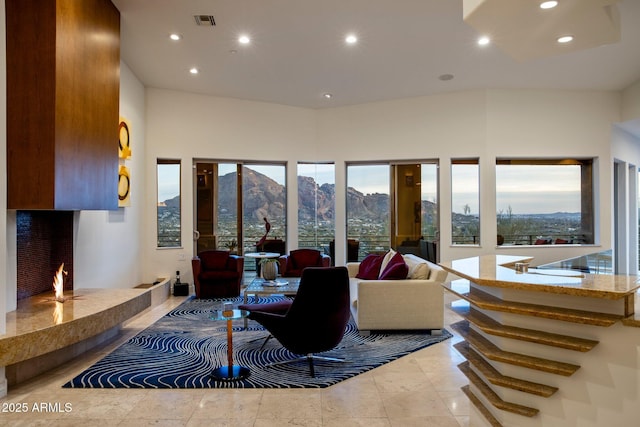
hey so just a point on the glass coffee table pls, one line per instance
(287, 286)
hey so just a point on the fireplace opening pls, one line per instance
(44, 242)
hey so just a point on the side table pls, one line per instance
(258, 256)
(180, 289)
(230, 372)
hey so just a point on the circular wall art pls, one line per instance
(124, 187)
(124, 139)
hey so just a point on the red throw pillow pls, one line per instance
(370, 267)
(396, 269)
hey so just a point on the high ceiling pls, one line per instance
(298, 52)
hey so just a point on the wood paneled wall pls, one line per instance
(63, 79)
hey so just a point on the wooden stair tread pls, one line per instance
(492, 352)
(483, 410)
(495, 377)
(489, 302)
(492, 397)
(493, 327)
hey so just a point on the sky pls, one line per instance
(168, 181)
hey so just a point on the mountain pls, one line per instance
(264, 197)
(173, 202)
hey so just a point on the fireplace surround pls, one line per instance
(44, 241)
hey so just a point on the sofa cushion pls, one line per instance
(369, 268)
(385, 260)
(418, 269)
(396, 269)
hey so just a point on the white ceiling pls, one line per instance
(298, 53)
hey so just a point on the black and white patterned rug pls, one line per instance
(181, 349)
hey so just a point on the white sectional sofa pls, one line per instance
(409, 304)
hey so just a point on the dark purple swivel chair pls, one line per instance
(316, 319)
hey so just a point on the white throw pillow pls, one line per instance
(417, 269)
(386, 260)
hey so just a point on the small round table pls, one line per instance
(230, 372)
(259, 256)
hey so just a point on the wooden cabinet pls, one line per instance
(63, 85)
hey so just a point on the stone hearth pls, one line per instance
(42, 333)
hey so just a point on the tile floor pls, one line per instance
(421, 389)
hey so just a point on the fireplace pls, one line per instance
(44, 242)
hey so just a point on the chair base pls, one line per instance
(309, 358)
(266, 340)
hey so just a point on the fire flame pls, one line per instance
(58, 283)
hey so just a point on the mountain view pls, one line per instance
(368, 214)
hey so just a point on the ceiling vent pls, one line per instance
(205, 20)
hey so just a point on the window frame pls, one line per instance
(167, 161)
(380, 246)
(586, 233)
(319, 245)
(476, 237)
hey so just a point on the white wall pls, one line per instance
(528, 123)
(421, 128)
(626, 152)
(484, 124)
(108, 244)
(186, 126)
(631, 102)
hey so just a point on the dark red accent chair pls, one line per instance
(217, 274)
(315, 321)
(291, 265)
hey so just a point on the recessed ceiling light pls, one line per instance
(548, 4)
(327, 95)
(484, 40)
(565, 39)
(244, 39)
(194, 70)
(175, 37)
(351, 39)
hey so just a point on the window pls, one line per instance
(233, 199)
(465, 202)
(264, 196)
(168, 178)
(217, 211)
(544, 201)
(392, 205)
(429, 201)
(368, 206)
(316, 205)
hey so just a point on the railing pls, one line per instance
(523, 239)
(596, 263)
(169, 239)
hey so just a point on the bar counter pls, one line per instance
(546, 347)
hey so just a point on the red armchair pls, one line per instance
(217, 274)
(292, 265)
